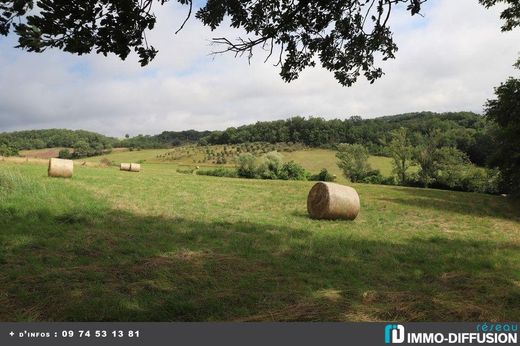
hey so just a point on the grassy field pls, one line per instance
(311, 159)
(315, 159)
(149, 156)
(162, 246)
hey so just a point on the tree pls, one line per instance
(426, 156)
(293, 171)
(345, 36)
(81, 149)
(450, 167)
(440, 164)
(246, 165)
(64, 154)
(505, 112)
(271, 165)
(6, 150)
(353, 161)
(402, 153)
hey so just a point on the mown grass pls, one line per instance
(162, 246)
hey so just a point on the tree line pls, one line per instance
(84, 143)
(468, 132)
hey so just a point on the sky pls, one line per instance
(448, 60)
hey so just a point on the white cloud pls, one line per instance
(448, 61)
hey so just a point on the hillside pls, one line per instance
(466, 131)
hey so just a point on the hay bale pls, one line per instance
(333, 201)
(135, 167)
(124, 167)
(60, 168)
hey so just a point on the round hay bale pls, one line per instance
(333, 201)
(135, 167)
(124, 167)
(60, 168)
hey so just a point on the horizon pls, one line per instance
(240, 125)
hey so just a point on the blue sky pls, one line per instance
(448, 60)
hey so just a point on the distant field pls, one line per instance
(108, 245)
(311, 159)
(46, 153)
(316, 159)
(124, 155)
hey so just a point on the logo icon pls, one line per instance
(394, 334)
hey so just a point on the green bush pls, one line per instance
(64, 154)
(6, 150)
(372, 176)
(293, 171)
(246, 166)
(323, 175)
(270, 166)
(218, 172)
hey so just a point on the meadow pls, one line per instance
(312, 159)
(108, 245)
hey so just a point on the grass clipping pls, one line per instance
(333, 201)
(60, 168)
(130, 167)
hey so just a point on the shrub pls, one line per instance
(323, 175)
(270, 166)
(64, 154)
(372, 176)
(246, 166)
(6, 150)
(218, 172)
(293, 171)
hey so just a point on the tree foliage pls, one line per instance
(52, 138)
(505, 112)
(353, 161)
(401, 152)
(343, 36)
(466, 131)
